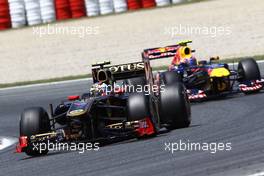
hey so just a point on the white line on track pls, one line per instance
(6, 142)
(69, 81)
(47, 84)
(257, 174)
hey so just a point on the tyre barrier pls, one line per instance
(133, 4)
(77, 8)
(178, 1)
(33, 12)
(106, 7)
(17, 13)
(120, 6)
(5, 21)
(47, 10)
(63, 10)
(92, 7)
(148, 3)
(161, 3)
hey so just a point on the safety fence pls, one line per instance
(19, 13)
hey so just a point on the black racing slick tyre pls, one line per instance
(175, 110)
(248, 69)
(34, 121)
(170, 77)
(137, 106)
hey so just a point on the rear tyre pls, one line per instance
(174, 105)
(34, 121)
(137, 107)
(248, 70)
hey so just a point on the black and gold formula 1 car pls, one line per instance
(108, 112)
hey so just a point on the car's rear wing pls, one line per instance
(119, 72)
(163, 52)
(101, 64)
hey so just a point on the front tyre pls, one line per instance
(248, 70)
(34, 121)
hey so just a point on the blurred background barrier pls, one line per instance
(5, 21)
(133, 4)
(77, 8)
(120, 6)
(47, 10)
(63, 10)
(178, 1)
(18, 13)
(162, 2)
(106, 7)
(33, 12)
(148, 3)
(69, 48)
(92, 7)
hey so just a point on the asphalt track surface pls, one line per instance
(238, 120)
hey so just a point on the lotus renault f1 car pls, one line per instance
(207, 79)
(107, 116)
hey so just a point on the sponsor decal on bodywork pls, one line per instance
(126, 67)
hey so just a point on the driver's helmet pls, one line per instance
(98, 89)
(181, 57)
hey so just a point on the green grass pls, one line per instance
(67, 78)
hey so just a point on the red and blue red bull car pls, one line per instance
(207, 79)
